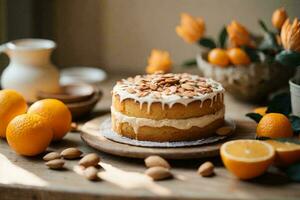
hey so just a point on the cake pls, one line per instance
(167, 107)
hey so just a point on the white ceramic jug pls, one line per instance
(30, 69)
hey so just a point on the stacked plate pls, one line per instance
(80, 98)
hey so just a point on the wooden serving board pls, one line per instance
(91, 134)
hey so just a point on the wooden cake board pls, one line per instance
(91, 134)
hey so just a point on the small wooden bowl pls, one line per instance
(82, 108)
(71, 93)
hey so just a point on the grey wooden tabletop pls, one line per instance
(67, 184)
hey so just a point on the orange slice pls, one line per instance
(247, 159)
(286, 153)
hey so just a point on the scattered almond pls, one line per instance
(90, 173)
(158, 173)
(206, 169)
(155, 161)
(55, 164)
(71, 153)
(51, 156)
(88, 160)
(74, 126)
(225, 130)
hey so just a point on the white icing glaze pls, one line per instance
(170, 100)
(182, 124)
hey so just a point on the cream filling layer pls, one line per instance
(183, 124)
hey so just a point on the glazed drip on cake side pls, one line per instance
(168, 89)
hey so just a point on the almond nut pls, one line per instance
(187, 86)
(74, 127)
(206, 169)
(51, 156)
(91, 159)
(71, 153)
(55, 164)
(225, 130)
(90, 173)
(158, 173)
(155, 161)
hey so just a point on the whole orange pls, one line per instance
(274, 125)
(238, 56)
(218, 57)
(29, 134)
(11, 104)
(56, 113)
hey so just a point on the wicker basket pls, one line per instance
(248, 82)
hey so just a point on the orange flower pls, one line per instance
(191, 29)
(290, 35)
(238, 35)
(159, 61)
(278, 18)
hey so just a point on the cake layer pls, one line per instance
(182, 124)
(158, 110)
(166, 133)
(171, 96)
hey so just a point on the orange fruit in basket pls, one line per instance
(56, 113)
(238, 56)
(260, 110)
(11, 104)
(219, 57)
(274, 125)
(247, 159)
(29, 134)
(286, 153)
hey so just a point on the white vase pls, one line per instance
(30, 69)
(295, 93)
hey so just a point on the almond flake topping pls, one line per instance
(159, 85)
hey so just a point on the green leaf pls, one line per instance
(252, 53)
(288, 58)
(295, 121)
(262, 138)
(254, 116)
(223, 37)
(263, 26)
(269, 42)
(293, 172)
(190, 63)
(207, 42)
(280, 103)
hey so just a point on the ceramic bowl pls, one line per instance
(81, 109)
(253, 82)
(70, 93)
(82, 74)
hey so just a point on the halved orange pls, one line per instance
(247, 159)
(286, 153)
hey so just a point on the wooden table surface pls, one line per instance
(67, 184)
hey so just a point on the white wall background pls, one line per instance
(118, 35)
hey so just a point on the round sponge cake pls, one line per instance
(167, 107)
